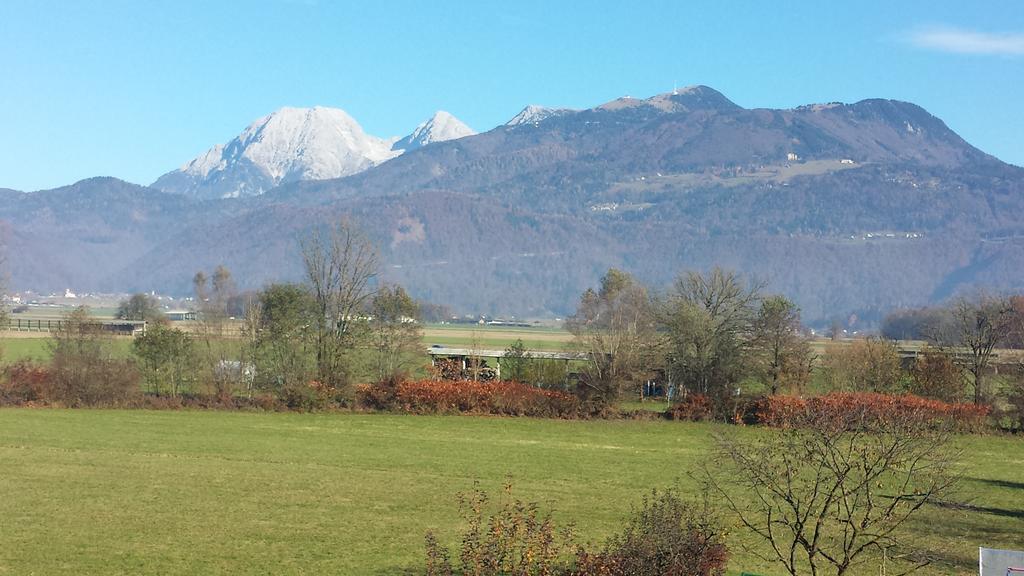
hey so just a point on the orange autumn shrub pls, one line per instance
(692, 408)
(869, 409)
(467, 396)
(26, 382)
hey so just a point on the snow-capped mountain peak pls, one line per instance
(440, 127)
(534, 114)
(288, 145)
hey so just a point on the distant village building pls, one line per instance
(69, 294)
(846, 161)
(792, 157)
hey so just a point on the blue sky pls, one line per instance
(133, 89)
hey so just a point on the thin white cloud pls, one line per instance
(961, 41)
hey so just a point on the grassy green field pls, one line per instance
(140, 492)
(33, 345)
(36, 348)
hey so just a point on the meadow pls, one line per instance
(33, 345)
(190, 492)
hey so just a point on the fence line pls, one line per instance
(120, 327)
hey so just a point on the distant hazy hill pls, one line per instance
(845, 207)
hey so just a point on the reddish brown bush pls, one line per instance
(443, 396)
(700, 407)
(104, 383)
(26, 382)
(869, 410)
(692, 408)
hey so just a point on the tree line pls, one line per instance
(704, 335)
(305, 344)
(719, 334)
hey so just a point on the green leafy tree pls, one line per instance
(167, 359)
(395, 331)
(140, 307)
(782, 350)
(515, 364)
(707, 320)
(282, 325)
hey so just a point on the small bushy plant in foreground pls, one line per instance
(665, 536)
(514, 538)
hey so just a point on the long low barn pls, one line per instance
(464, 355)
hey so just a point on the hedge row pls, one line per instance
(467, 396)
(865, 409)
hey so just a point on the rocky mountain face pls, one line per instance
(850, 209)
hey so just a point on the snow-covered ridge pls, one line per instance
(309, 144)
(294, 144)
(533, 114)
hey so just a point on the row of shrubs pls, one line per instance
(112, 384)
(866, 408)
(116, 384)
(467, 396)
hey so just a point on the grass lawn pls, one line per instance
(141, 492)
(35, 348)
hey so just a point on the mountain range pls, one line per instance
(850, 209)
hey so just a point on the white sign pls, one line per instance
(1000, 562)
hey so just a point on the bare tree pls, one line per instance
(864, 365)
(984, 323)
(396, 333)
(83, 369)
(223, 369)
(615, 327)
(252, 325)
(341, 265)
(834, 492)
(474, 362)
